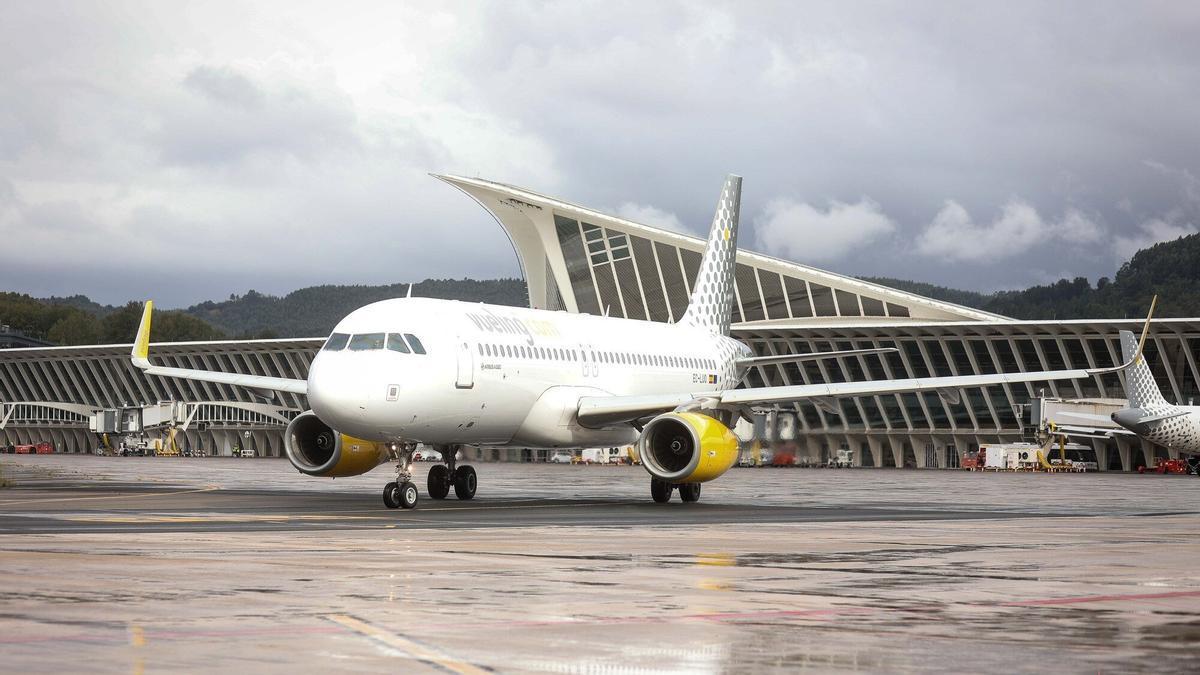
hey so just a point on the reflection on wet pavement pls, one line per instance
(207, 573)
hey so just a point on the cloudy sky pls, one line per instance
(187, 151)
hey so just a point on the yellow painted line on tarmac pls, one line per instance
(130, 496)
(522, 506)
(416, 650)
(214, 518)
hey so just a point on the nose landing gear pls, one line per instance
(401, 493)
(397, 495)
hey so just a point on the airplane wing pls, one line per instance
(605, 410)
(810, 356)
(599, 411)
(141, 358)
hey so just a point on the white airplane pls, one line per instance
(446, 373)
(1148, 415)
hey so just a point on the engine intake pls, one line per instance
(687, 448)
(317, 450)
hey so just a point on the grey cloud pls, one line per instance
(233, 119)
(224, 85)
(291, 153)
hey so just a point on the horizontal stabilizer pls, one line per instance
(1162, 416)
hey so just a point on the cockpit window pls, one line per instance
(417, 347)
(396, 343)
(366, 341)
(336, 342)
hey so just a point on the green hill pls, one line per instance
(308, 312)
(314, 311)
(1171, 269)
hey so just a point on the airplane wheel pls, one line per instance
(438, 484)
(391, 495)
(408, 495)
(465, 482)
(689, 492)
(660, 491)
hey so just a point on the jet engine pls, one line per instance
(687, 448)
(317, 450)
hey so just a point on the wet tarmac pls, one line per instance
(171, 564)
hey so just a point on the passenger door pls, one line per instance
(466, 365)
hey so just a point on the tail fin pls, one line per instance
(711, 304)
(1140, 387)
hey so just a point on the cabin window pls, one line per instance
(396, 343)
(366, 342)
(416, 345)
(336, 342)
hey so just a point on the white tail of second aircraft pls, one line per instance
(711, 304)
(1140, 387)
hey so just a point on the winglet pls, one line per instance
(1136, 357)
(141, 344)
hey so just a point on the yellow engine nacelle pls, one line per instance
(687, 448)
(317, 450)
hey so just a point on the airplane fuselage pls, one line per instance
(496, 376)
(1171, 426)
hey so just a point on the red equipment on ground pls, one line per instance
(39, 449)
(1177, 466)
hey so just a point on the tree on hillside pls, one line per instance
(78, 328)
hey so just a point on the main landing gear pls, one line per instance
(444, 476)
(402, 493)
(661, 491)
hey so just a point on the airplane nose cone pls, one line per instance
(333, 394)
(1130, 418)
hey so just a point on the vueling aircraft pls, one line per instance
(401, 372)
(1147, 415)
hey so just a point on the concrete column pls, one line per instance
(1101, 448)
(855, 445)
(876, 450)
(918, 446)
(962, 444)
(1125, 450)
(1147, 453)
(896, 443)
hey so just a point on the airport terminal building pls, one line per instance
(579, 260)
